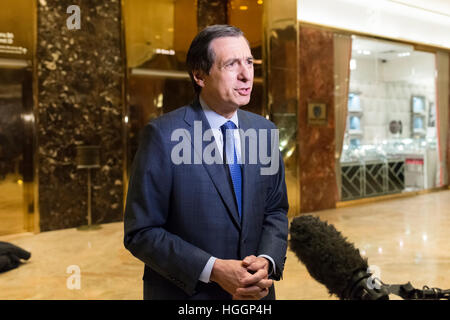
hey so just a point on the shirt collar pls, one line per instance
(216, 120)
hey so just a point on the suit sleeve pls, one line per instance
(146, 213)
(275, 226)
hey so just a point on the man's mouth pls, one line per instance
(244, 91)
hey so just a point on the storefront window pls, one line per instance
(390, 142)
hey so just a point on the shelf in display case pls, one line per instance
(354, 102)
(355, 124)
(355, 132)
(391, 150)
(418, 115)
(418, 103)
(419, 132)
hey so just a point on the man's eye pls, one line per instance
(230, 65)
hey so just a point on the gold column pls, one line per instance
(281, 85)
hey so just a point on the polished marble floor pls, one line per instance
(407, 238)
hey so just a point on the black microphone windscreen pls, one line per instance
(6, 247)
(328, 256)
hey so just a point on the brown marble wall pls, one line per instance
(318, 188)
(80, 85)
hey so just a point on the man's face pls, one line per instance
(230, 80)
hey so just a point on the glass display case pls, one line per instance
(393, 166)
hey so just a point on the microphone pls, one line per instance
(333, 261)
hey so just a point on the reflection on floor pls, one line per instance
(407, 239)
(11, 210)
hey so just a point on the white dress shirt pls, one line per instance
(216, 121)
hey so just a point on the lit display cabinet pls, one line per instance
(418, 116)
(393, 166)
(369, 171)
(355, 123)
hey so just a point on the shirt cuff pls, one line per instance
(271, 260)
(206, 273)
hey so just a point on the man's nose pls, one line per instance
(245, 72)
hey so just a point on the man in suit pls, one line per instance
(209, 230)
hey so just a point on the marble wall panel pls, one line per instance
(80, 100)
(318, 188)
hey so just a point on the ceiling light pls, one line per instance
(164, 51)
(404, 54)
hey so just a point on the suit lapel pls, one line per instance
(215, 171)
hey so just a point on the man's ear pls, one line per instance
(199, 77)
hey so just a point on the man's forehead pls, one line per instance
(231, 47)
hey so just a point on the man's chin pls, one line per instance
(243, 102)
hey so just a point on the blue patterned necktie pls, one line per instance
(231, 159)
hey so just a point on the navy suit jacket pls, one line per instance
(179, 215)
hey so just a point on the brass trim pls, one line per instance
(14, 63)
(125, 103)
(417, 45)
(351, 203)
(36, 228)
(170, 74)
(270, 22)
(297, 146)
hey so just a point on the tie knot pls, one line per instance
(228, 125)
